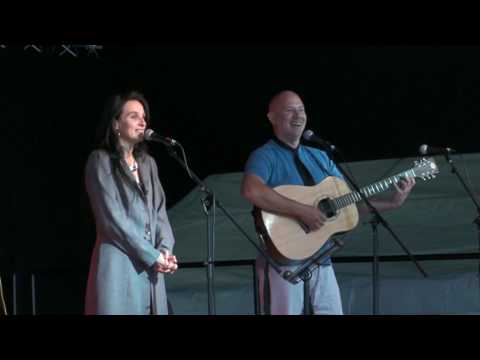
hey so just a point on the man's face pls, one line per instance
(288, 117)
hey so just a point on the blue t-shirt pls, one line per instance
(274, 163)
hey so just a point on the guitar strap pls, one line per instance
(303, 171)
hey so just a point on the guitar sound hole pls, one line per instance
(327, 208)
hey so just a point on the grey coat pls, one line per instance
(131, 226)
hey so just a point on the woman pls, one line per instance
(134, 237)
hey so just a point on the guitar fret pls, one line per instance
(369, 190)
(340, 202)
(349, 199)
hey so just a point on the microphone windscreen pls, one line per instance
(423, 149)
(148, 134)
(307, 134)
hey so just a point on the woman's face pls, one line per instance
(131, 124)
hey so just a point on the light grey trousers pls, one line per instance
(287, 298)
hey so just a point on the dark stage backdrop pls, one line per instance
(371, 101)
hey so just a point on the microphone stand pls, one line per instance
(304, 272)
(210, 204)
(377, 219)
(476, 221)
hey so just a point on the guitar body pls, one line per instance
(288, 241)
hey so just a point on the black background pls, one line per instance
(372, 101)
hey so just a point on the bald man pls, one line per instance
(284, 161)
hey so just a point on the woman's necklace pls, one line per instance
(134, 166)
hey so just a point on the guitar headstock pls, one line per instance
(425, 168)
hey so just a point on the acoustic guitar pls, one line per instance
(291, 242)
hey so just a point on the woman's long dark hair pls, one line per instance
(106, 138)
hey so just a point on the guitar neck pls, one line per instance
(370, 190)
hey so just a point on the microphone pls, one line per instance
(310, 136)
(151, 135)
(432, 150)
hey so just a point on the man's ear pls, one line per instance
(270, 117)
